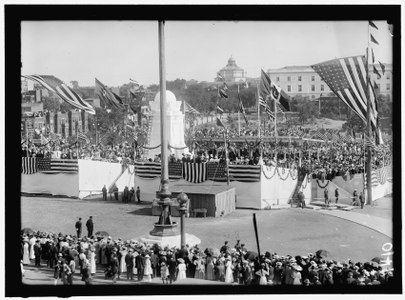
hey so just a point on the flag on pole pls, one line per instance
(220, 77)
(375, 71)
(219, 123)
(219, 109)
(371, 23)
(242, 108)
(347, 78)
(373, 39)
(82, 137)
(382, 67)
(267, 109)
(269, 88)
(66, 93)
(106, 95)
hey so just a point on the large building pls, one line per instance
(305, 82)
(232, 72)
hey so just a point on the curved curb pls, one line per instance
(356, 222)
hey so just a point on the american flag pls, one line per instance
(82, 137)
(106, 95)
(369, 143)
(216, 171)
(374, 179)
(66, 93)
(31, 165)
(154, 169)
(263, 103)
(195, 172)
(346, 77)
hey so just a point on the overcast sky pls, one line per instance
(114, 51)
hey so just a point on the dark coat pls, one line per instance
(90, 224)
(140, 262)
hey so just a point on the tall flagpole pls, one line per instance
(226, 156)
(26, 136)
(238, 112)
(258, 112)
(275, 119)
(163, 126)
(368, 166)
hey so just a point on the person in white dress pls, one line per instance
(228, 271)
(26, 254)
(33, 239)
(263, 273)
(148, 269)
(92, 259)
(181, 269)
(123, 265)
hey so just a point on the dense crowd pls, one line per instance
(73, 258)
(329, 159)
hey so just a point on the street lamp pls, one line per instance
(182, 198)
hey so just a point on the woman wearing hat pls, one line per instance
(210, 268)
(181, 269)
(164, 273)
(26, 255)
(295, 274)
(228, 270)
(278, 273)
(148, 269)
(262, 273)
(92, 260)
(200, 268)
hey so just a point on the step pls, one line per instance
(280, 206)
(314, 207)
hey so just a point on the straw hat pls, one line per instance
(147, 256)
(181, 260)
(296, 267)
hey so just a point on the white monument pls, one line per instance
(175, 126)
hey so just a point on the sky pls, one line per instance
(114, 51)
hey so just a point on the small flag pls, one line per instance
(268, 88)
(391, 29)
(371, 23)
(118, 98)
(372, 55)
(382, 67)
(223, 93)
(220, 77)
(219, 123)
(134, 81)
(375, 71)
(82, 137)
(219, 110)
(373, 39)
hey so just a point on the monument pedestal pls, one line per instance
(170, 241)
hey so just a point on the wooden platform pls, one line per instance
(216, 199)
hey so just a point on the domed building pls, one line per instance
(232, 72)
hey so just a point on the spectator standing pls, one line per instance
(138, 194)
(37, 252)
(115, 190)
(337, 195)
(90, 226)
(326, 195)
(355, 198)
(362, 200)
(78, 227)
(104, 190)
(129, 261)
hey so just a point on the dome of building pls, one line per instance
(169, 96)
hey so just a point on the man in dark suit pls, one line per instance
(78, 227)
(138, 194)
(37, 252)
(140, 266)
(90, 226)
(129, 261)
(125, 195)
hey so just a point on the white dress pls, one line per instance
(32, 243)
(228, 272)
(92, 262)
(123, 265)
(148, 267)
(26, 255)
(182, 271)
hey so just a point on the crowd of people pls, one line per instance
(320, 159)
(78, 258)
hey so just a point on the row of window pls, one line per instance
(387, 87)
(387, 76)
(300, 88)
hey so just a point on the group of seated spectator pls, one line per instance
(126, 260)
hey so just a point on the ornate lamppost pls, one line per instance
(182, 198)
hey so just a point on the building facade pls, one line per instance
(232, 73)
(305, 82)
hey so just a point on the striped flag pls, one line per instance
(374, 179)
(373, 39)
(219, 109)
(244, 173)
(29, 165)
(195, 172)
(369, 142)
(267, 109)
(148, 169)
(67, 94)
(222, 92)
(346, 77)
